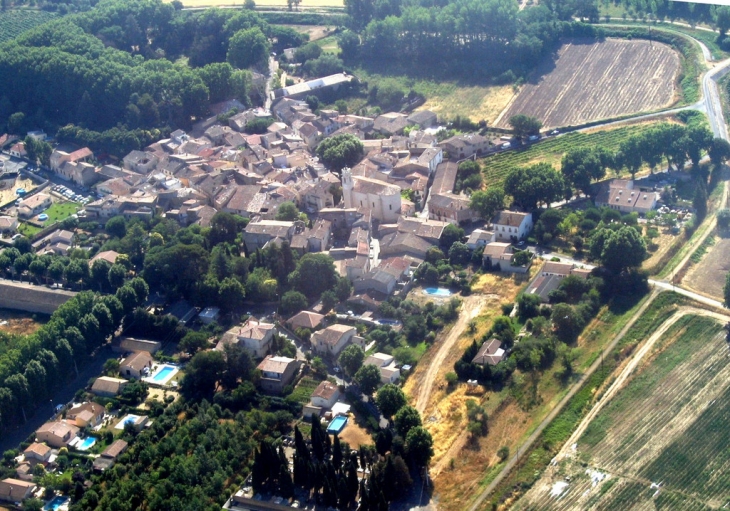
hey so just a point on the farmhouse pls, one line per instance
(389, 372)
(452, 208)
(459, 147)
(620, 194)
(491, 353)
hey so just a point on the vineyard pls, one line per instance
(551, 151)
(591, 81)
(661, 442)
(15, 22)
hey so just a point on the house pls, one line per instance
(621, 195)
(87, 414)
(511, 225)
(141, 162)
(391, 123)
(479, 238)
(490, 353)
(389, 371)
(33, 205)
(305, 319)
(37, 452)
(497, 253)
(81, 173)
(107, 458)
(459, 147)
(107, 386)
(208, 315)
(58, 242)
(556, 268)
(182, 311)
(15, 490)
(58, 157)
(258, 234)
(382, 198)
(325, 395)
(404, 244)
(136, 366)
(107, 255)
(130, 344)
(254, 335)
(18, 150)
(452, 208)
(8, 225)
(57, 434)
(277, 373)
(423, 119)
(333, 339)
(313, 87)
(543, 285)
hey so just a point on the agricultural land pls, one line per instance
(15, 22)
(591, 81)
(659, 441)
(709, 276)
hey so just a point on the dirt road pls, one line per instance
(470, 309)
(627, 371)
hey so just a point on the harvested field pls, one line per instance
(660, 441)
(591, 81)
(708, 277)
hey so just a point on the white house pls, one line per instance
(511, 225)
(389, 372)
(254, 335)
(325, 395)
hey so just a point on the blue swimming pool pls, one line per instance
(163, 374)
(88, 442)
(437, 291)
(57, 502)
(337, 425)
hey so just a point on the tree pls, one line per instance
(406, 419)
(100, 272)
(287, 211)
(307, 52)
(293, 302)
(368, 377)
(524, 125)
(567, 321)
(224, 227)
(248, 47)
(487, 202)
(329, 300)
(534, 185)
(419, 446)
(459, 253)
(116, 275)
(622, 249)
(231, 295)
(314, 264)
(582, 166)
(723, 218)
(325, 65)
(202, 373)
(340, 151)
(722, 19)
(351, 359)
(116, 226)
(450, 235)
(390, 399)
(720, 149)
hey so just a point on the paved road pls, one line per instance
(11, 439)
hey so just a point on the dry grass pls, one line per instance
(19, 323)
(477, 103)
(664, 242)
(314, 32)
(159, 395)
(355, 435)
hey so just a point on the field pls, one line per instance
(60, 211)
(450, 98)
(595, 81)
(709, 276)
(661, 441)
(15, 22)
(552, 150)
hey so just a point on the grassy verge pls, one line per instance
(531, 465)
(698, 254)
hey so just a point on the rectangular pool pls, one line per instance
(337, 425)
(162, 375)
(437, 291)
(56, 503)
(88, 443)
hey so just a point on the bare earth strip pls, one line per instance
(641, 431)
(592, 81)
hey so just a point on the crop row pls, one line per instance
(15, 22)
(496, 167)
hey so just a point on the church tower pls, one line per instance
(347, 187)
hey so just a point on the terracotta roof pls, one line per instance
(107, 385)
(38, 449)
(306, 319)
(85, 411)
(325, 390)
(115, 449)
(137, 361)
(509, 218)
(254, 329)
(332, 334)
(14, 490)
(107, 255)
(58, 429)
(497, 249)
(557, 268)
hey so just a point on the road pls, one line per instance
(555, 411)
(11, 439)
(470, 309)
(273, 66)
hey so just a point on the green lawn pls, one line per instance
(60, 211)
(304, 389)
(28, 230)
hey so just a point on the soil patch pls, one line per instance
(708, 277)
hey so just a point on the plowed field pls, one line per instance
(592, 81)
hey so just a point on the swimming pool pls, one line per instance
(162, 375)
(337, 425)
(437, 291)
(57, 502)
(128, 418)
(88, 442)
